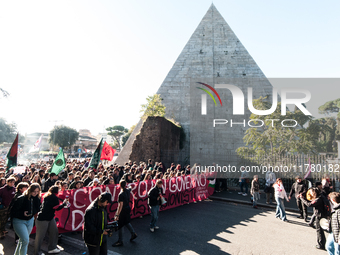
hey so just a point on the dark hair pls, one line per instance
(105, 196)
(22, 185)
(159, 181)
(335, 196)
(10, 179)
(122, 184)
(52, 190)
(31, 188)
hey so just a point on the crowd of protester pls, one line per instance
(20, 200)
(20, 196)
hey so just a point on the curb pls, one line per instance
(250, 203)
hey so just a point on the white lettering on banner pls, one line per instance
(188, 181)
(75, 199)
(171, 186)
(146, 189)
(133, 187)
(181, 184)
(164, 186)
(96, 188)
(113, 194)
(74, 212)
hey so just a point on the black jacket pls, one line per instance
(48, 208)
(153, 194)
(87, 181)
(297, 188)
(318, 205)
(93, 220)
(48, 184)
(23, 204)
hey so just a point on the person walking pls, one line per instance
(255, 190)
(123, 214)
(20, 189)
(299, 187)
(269, 189)
(95, 225)
(7, 193)
(280, 194)
(154, 201)
(320, 203)
(24, 208)
(46, 223)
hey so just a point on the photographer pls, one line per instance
(95, 225)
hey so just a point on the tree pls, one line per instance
(272, 139)
(126, 137)
(329, 108)
(8, 131)
(63, 136)
(117, 132)
(153, 107)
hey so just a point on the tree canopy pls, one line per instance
(117, 132)
(153, 107)
(272, 139)
(8, 131)
(63, 136)
(126, 137)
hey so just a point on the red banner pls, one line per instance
(177, 191)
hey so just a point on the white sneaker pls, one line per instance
(240, 193)
(56, 250)
(156, 227)
(244, 194)
(152, 230)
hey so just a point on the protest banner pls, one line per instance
(177, 191)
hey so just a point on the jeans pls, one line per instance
(243, 183)
(154, 215)
(23, 228)
(280, 209)
(332, 247)
(120, 232)
(256, 197)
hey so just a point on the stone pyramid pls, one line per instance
(213, 55)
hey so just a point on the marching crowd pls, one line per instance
(20, 200)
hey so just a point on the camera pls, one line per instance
(112, 227)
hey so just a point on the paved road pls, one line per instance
(214, 227)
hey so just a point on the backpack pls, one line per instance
(326, 207)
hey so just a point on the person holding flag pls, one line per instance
(58, 165)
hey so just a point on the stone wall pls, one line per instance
(158, 140)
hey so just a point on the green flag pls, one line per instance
(12, 155)
(59, 163)
(96, 156)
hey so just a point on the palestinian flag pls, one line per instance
(12, 156)
(96, 156)
(59, 163)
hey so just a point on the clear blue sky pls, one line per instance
(91, 64)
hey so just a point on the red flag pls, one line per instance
(107, 152)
